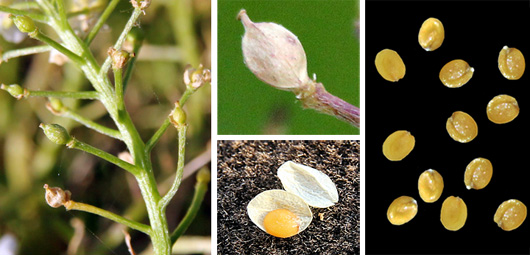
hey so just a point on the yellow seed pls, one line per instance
(402, 210)
(430, 185)
(511, 63)
(431, 34)
(502, 109)
(390, 65)
(510, 214)
(478, 173)
(281, 223)
(461, 127)
(454, 213)
(398, 145)
(456, 73)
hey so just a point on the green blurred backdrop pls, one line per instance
(327, 31)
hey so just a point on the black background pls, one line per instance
(475, 32)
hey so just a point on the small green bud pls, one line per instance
(203, 175)
(15, 90)
(178, 116)
(55, 106)
(24, 23)
(56, 133)
(135, 38)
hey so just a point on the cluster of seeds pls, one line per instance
(461, 127)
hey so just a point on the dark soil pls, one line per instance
(247, 168)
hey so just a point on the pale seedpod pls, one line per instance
(274, 54)
(313, 186)
(271, 200)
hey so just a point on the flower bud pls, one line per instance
(24, 23)
(56, 133)
(274, 54)
(15, 90)
(178, 116)
(203, 175)
(56, 197)
(56, 106)
(195, 78)
(119, 57)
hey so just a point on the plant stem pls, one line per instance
(45, 39)
(180, 167)
(130, 24)
(34, 16)
(76, 144)
(6, 56)
(158, 134)
(118, 86)
(198, 196)
(316, 97)
(142, 168)
(68, 113)
(91, 95)
(101, 21)
(73, 205)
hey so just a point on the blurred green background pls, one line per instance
(327, 31)
(177, 33)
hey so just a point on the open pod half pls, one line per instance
(313, 186)
(279, 213)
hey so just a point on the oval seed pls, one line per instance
(456, 73)
(461, 127)
(478, 173)
(402, 210)
(511, 63)
(390, 65)
(430, 185)
(454, 213)
(502, 109)
(281, 223)
(431, 34)
(398, 145)
(510, 214)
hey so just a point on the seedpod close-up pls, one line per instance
(294, 213)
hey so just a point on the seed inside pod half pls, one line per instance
(312, 185)
(279, 213)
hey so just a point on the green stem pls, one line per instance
(180, 168)
(198, 196)
(76, 144)
(34, 16)
(6, 56)
(73, 205)
(45, 39)
(130, 24)
(90, 95)
(101, 21)
(158, 134)
(68, 113)
(118, 87)
(137, 39)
